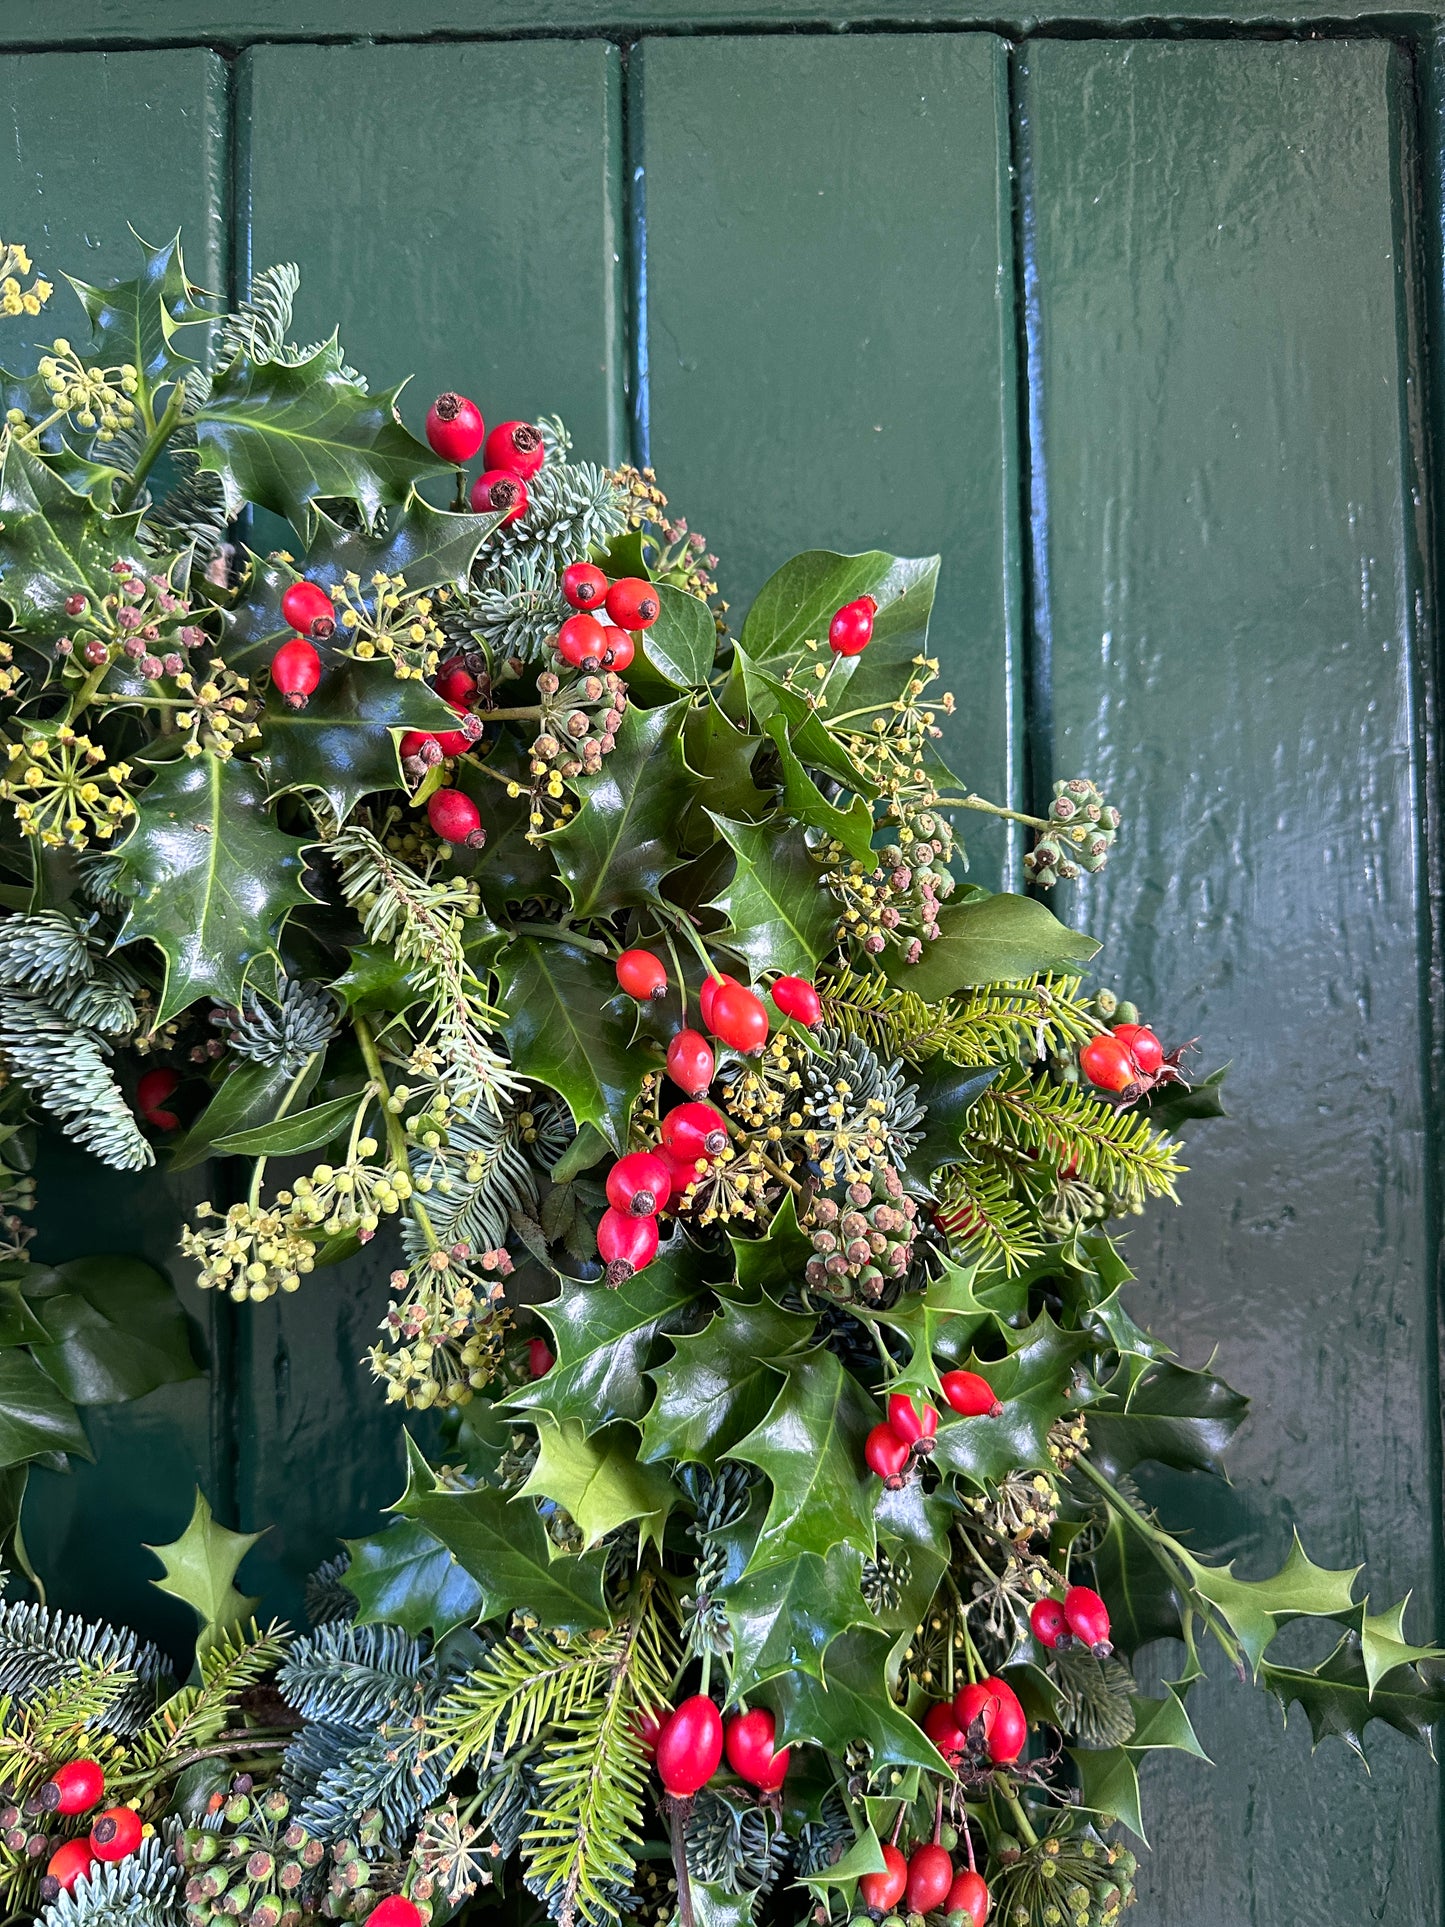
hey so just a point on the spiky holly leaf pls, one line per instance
(810, 1445)
(200, 1568)
(623, 839)
(864, 1856)
(1109, 1785)
(948, 1095)
(602, 1339)
(502, 1543)
(938, 1322)
(720, 1382)
(1142, 1598)
(140, 321)
(340, 743)
(568, 1026)
(284, 435)
(798, 601)
(212, 877)
(1254, 1607)
(35, 1415)
(786, 1617)
(779, 915)
(598, 1479)
(802, 798)
(720, 756)
(54, 543)
(1034, 1383)
(776, 1261)
(1165, 1413)
(850, 1704)
(1383, 1645)
(1339, 1699)
(114, 1329)
(1171, 1105)
(990, 940)
(1163, 1724)
(913, 1530)
(406, 1577)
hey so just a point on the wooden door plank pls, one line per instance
(1227, 586)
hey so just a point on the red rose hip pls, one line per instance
(930, 1875)
(970, 1394)
(65, 1866)
(887, 1455)
(620, 650)
(307, 607)
(738, 1018)
(881, 1892)
(499, 492)
(295, 671)
(795, 997)
(116, 1834)
(78, 1785)
(456, 818)
(582, 642)
(1106, 1062)
(1050, 1628)
(1088, 1620)
(540, 1359)
(584, 585)
(625, 1244)
(1142, 1045)
(851, 629)
(152, 1090)
(642, 976)
(749, 1741)
(633, 603)
(638, 1184)
(690, 1747)
(694, 1131)
(396, 1911)
(455, 428)
(690, 1062)
(516, 446)
(968, 1895)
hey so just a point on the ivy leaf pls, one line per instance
(35, 1415)
(988, 941)
(406, 1577)
(1254, 1607)
(54, 543)
(779, 915)
(340, 743)
(566, 1026)
(246, 1098)
(774, 1262)
(284, 435)
(602, 1339)
(1109, 1785)
(138, 321)
(720, 1382)
(850, 1704)
(785, 1617)
(200, 1568)
(18, 1323)
(1170, 1414)
(682, 642)
(505, 1548)
(298, 1131)
(798, 601)
(212, 878)
(890, 662)
(815, 744)
(1339, 1700)
(810, 1445)
(949, 1094)
(623, 839)
(114, 1330)
(598, 1480)
(802, 798)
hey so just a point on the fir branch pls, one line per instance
(196, 1715)
(571, 507)
(1114, 1148)
(261, 323)
(1027, 1019)
(146, 1889)
(981, 1211)
(517, 610)
(43, 952)
(64, 1068)
(353, 1675)
(337, 1774)
(482, 1176)
(524, 1684)
(49, 1725)
(40, 1648)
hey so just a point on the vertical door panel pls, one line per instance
(1227, 586)
(829, 327)
(454, 211)
(88, 144)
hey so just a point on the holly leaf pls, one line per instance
(851, 1703)
(990, 940)
(373, 980)
(720, 756)
(1163, 1724)
(947, 1305)
(35, 1415)
(602, 1338)
(114, 1330)
(810, 1445)
(211, 877)
(1170, 1105)
(138, 321)
(340, 743)
(598, 1480)
(814, 744)
(504, 1546)
(1254, 1608)
(1167, 1413)
(1339, 1700)
(776, 1261)
(54, 543)
(720, 1382)
(1383, 1645)
(1109, 1785)
(802, 798)
(566, 1026)
(200, 1568)
(284, 435)
(949, 1094)
(1143, 1602)
(779, 916)
(785, 1617)
(406, 1577)
(682, 642)
(623, 839)
(1034, 1383)
(798, 601)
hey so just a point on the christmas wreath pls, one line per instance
(787, 1541)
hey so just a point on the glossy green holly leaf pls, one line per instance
(1383, 1645)
(623, 839)
(798, 601)
(720, 1382)
(864, 1856)
(720, 756)
(1166, 1413)
(990, 940)
(1143, 1600)
(35, 1415)
(1034, 1382)
(913, 1527)
(54, 543)
(568, 1026)
(114, 1330)
(779, 915)
(801, 798)
(1109, 1785)
(297, 1131)
(284, 435)
(212, 878)
(1254, 1608)
(141, 321)
(602, 1339)
(245, 1099)
(1339, 1700)
(598, 1479)
(776, 1262)
(1163, 1724)
(1171, 1105)
(810, 1445)
(502, 1543)
(851, 1704)
(374, 980)
(341, 742)
(406, 1577)
(682, 642)
(948, 1094)
(200, 1568)
(947, 1309)
(784, 1618)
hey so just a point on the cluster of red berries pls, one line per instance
(76, 1788)
(1129, 1059)
(983, 1721)
(513, 453)
(296, 667)
(688, 1747)
(925, 1883)
(1081, 1617)
(894, 1448)
(631, 605)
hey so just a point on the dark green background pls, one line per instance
(1138, 322)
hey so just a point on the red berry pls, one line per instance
(995, 1704)
(941, 1725)
(930, 1875)
(649, 1724)
(694, 1131)
(738, 1018)
(456, 818)
(625, 1244)
(795, 997)
(516, 446)
(414, 743)
(887, 1455)
(681, 1172)
(1051, 1629)
(968, 1895)
(65, 1867)
(539, 1358)
(151, 1092)
(642, 976)
(307, 607)
(116, 1834)
(456, 685)
(638, 1184)
(295, 671)
(851, 629)
(633, 603)
(619, 652)
(78, 1785)
(455, 428)
(710, 987)
(914, 1423)
(750, 1738)
(882, 1891)
(582, 641)
(1088, 1620)
(396, 1911)
(584, 585)
(690, 1747)
(1106, 1062)
(1142, 1045)
(690, 1062)
(500, 492)
(970, 1394)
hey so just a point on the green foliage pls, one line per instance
(200, 1568)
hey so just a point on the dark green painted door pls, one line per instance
(1133, 332)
